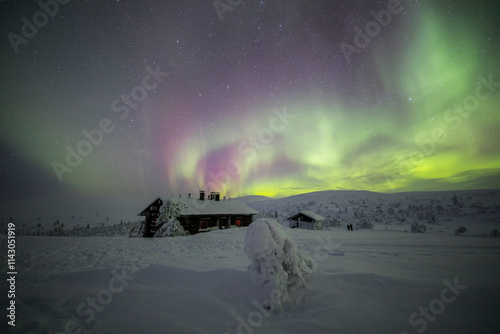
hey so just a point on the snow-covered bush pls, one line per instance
(460, 230)
(429, 215)
(364, 224)
(169, 226)
(455, 211)
(276, 264)
(329, 222)
(418, 228)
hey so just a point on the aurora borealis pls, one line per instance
(263, 102)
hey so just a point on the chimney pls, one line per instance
(202, 195)
(215, 196)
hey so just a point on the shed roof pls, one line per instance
(310, 214)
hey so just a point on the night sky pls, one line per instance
(146, 98)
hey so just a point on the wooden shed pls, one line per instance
(202, 214)
(306, 219)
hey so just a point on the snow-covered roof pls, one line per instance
(211, 207)
(310, 214)
(152, 203)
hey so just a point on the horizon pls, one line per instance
(195, 196)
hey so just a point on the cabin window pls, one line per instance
(154, 208)
(203, 224)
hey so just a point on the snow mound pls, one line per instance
(276, 264)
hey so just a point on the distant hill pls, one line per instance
(253, 198)
(371, 207)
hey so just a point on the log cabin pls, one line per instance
(201, 214)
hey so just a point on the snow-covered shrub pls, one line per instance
(332, 222)
(418, 228)
(276, 264)
(455, 211)
(420, 215)
(364, 224)
(480, 207)
(399, 218)
(429, 215)
(460, 230)
(169, 226)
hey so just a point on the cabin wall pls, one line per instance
(193, 224)
(151, 224)
(246, 220)
(305, 222)
(152, 213)
(302, 218)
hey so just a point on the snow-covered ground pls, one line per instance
(380, 280)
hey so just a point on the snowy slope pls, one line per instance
(386, 209)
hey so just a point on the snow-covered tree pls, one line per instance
(169, 225)
(277, 266)
(418, 228)
(461, 229)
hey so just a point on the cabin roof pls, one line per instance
(151, 204)
(196, 207)
(310, 214)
